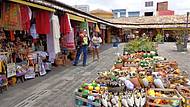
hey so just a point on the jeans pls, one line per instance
(83, 49)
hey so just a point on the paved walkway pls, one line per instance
(56, 89)
(169, 51)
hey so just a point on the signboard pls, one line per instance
(11, 70)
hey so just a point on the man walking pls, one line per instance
(83, 42)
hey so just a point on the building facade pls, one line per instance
(117, 13)
(133, 14)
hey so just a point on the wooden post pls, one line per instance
(109, 34)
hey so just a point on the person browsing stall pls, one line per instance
(96, 42)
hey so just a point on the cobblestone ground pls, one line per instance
(169, 51)
(56, 90)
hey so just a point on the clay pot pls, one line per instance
(118, 66)
(136, 82)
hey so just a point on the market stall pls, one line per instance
(138, 78)
(23, 46)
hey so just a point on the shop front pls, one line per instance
(28, 35)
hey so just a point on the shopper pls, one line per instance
(82, 46)
(96, 42)
(64, 49)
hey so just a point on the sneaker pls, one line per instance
(74, 64)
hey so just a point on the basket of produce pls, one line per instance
(163, 98)
(185, 93)
(88, 95)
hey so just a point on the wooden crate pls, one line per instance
(83, 100)
(149, 104)
(187, 99)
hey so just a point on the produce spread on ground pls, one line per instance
(138, 78)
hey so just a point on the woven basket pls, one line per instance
(59, 62)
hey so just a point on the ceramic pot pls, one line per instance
(136, 82)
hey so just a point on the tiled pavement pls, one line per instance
(56, 89)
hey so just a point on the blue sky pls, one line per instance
(180, 6)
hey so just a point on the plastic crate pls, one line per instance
(149, 98)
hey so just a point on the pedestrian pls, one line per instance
(64, 49)
(96, 42)
(82, 46)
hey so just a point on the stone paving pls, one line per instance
(57, 88)
(169, 51)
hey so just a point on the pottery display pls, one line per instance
(126, 83)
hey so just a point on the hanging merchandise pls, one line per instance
(97, 28)
(56, 33)
(11, 16)
(25, 18)
(30, 13)
(1, 15)
(42, 22)
(70, 40)
(33, 32)
(12, 36)
(53, 39)
(65, 25)
(84, 26)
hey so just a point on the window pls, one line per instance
(133, 14)
(149, 4)
(122, 14)
(148, 14)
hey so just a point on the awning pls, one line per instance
(77, 18)
(33, 5)
(176, 29)
(92, 21)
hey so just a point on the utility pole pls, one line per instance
(186, 33)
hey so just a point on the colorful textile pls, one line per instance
(52, 41)
(12, 36)
(56, 33)
(33, 32)
(11, 16)
(84, 25)
(70, 40)
(25, 19)
(97, 28)
(65, 25)
(1, 14)
(42, 22)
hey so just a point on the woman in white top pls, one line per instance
(96, 42)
